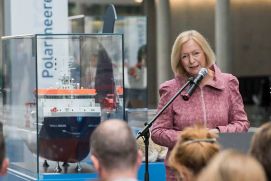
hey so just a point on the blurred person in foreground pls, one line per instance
(217, 100)
(114, 151)
(260, 147)
(192, 152)
(4, 162)
(231, 165)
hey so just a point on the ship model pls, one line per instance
(67, 116)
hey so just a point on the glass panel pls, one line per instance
(57, 89)
(19, 69)
(134, 29)
(138, 117)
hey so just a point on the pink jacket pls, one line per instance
(216, 105)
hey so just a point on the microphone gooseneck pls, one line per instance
(195, 83)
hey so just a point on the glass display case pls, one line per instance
(56, 89)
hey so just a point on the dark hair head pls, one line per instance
(261, 148)
(114, 145)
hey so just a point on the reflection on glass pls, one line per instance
(135, 54)
(57, 89)
(136, 93)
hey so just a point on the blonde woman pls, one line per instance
(217, 100)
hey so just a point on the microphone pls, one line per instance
(195, 82)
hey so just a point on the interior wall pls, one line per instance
(250, 29)
(193, 14)
(251, 38)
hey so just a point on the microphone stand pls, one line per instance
(145, 134)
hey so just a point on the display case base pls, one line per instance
(156, 172)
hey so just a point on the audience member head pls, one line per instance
(184, 37)
(231, 165)
(261, 148)
(3, 160)
(114, 150)
(194, 148)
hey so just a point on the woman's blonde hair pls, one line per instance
(231, 165)
(194, 148)
(183, 37)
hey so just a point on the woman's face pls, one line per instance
(192, 57)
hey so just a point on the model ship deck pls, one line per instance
(59, 92)
(68, 117)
